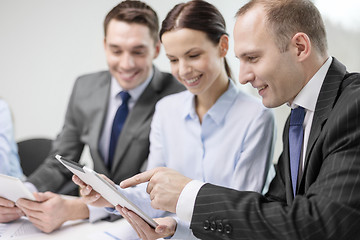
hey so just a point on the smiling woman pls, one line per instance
(196, 64)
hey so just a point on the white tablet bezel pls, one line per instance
(13, 188)
(107, 190)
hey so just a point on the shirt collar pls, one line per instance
(135, 92)
(307, 97)
(189, 107)
(218, 111)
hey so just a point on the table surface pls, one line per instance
(79, 230)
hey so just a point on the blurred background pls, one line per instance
(46, 44)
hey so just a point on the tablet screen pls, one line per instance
(107, 190)
(73, 164)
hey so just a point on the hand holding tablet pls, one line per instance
(103, 187)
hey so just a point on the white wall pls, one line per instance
(46, 44)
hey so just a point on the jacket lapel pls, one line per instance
(101, 101)
(286, 155)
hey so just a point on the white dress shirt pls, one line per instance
(307, 99)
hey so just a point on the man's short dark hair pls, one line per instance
(131, 11)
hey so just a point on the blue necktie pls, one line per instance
(118, 123)
(296, 135)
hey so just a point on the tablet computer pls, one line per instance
(13, 188)
(106, 189)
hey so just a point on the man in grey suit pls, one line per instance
(282, 49)
(131, 44)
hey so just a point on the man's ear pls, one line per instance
(157, 49)
(223, 45)
(302, 45)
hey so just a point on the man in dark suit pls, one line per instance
(131, 44)
(281, 45)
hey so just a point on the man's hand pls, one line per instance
(8, 211)
(166, 227)
(50, 210)
(90, 196)
(165, 186)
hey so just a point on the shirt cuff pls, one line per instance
(97, 213)
(183, 230)
(186, 202)
(112, 211)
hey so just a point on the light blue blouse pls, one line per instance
(232, 147)
(9, 159)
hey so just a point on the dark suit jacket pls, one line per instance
(327, 205)
(83, 125)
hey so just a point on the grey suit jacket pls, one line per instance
(83, 125)
(327, 204)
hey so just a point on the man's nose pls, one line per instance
(245, 74)
(127, 61)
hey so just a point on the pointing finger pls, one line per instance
(139, 178)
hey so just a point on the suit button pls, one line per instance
(228, 229)
(206, 225)
(220, 227)
(213, 226)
